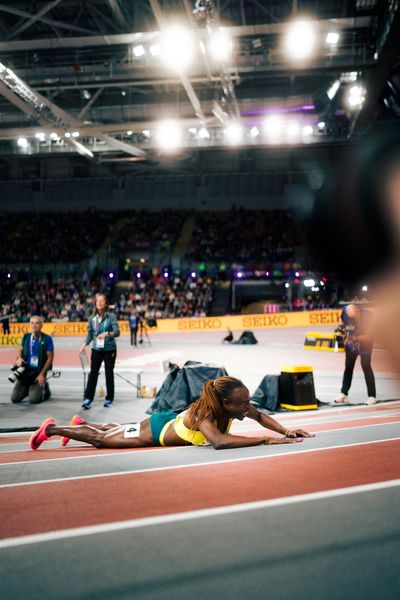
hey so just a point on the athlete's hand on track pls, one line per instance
(296, 433)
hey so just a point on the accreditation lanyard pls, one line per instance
(96, 323)
(34, 358)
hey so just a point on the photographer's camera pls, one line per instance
(16, 373)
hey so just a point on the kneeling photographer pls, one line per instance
(34, 359)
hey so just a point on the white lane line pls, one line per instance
(191, 465)
(248, 424)
(55, 445)
(235, 431)
(194, 514)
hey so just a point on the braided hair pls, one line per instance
(210, 402)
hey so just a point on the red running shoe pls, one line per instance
(75, 420)
(40, 436)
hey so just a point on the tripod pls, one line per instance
(143, 334)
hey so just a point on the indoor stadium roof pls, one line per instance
(91, 76)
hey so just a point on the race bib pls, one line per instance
(132, 430)
(99, 343)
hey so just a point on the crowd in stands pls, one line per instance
(52, 237)
(170, 297)
(250, 237)
(61, 299)
(149, 231)
(72, 298)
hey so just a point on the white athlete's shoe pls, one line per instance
(371, 400)
(341, 399)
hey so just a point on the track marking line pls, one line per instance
(196, 514)
(191, 465)
(156, 448)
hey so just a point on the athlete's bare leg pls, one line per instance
(104, 438)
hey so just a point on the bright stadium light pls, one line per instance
(203, 133)
(273, 128)
(356, 96)
(308, 130)
(293, 132)
(300, 40)
(155, 49)
(364, 288)
(254, 132)
(138, 51)
(177, 48)
(332, 38)
(40, 136)
(309, 283)
(169, 135)
(220, 46)
(234, 133)
(22, 142)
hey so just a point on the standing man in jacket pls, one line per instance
(102, 331)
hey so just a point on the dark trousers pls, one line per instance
(351, 358)
(97, 358)
(133, 337)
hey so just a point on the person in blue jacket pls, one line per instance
(102, 331)
(357, 342)
(133, 325)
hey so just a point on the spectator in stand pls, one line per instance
(102, 331)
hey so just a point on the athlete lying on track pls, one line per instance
(207, 420)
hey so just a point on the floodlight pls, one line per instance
(254, 132)
(169, 135)
(203, 133)
(234, 133)
(220, 46)
(75, 134)
(364, 288)
(155, 49)
(332, 38)
(293, 131)
(40, 136)
(356, 96)
(321, 125)
(138, 51)
(273, 127)
(177, 48)
(22, 142)
(308, 130)
(129, 132)
(300, 40)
